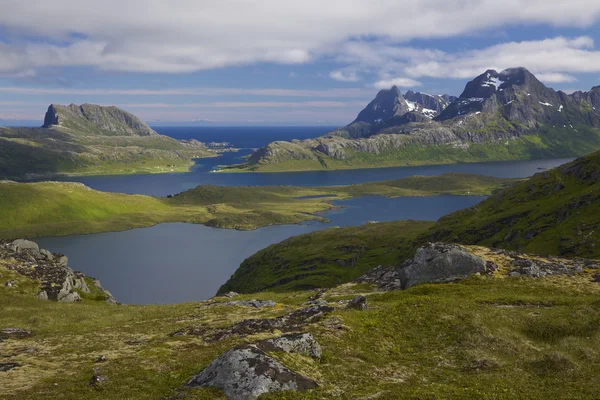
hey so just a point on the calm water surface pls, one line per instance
(173, 263)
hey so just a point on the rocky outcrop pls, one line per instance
(284, 323)
(57, 281)
(96, 119)
(440, 262)
(300, 343)
(434, 263)
(249, 303)
(358, 303)
(246, 372)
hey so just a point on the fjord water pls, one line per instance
(172, 263)
(248, 138)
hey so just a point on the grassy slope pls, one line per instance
(554, 212)
(550, 143)
(325, 258)
(500, 338)
(51, 208)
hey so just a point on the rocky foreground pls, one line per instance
(471, 313)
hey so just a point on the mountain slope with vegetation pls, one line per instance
(508, 115)
(62, 208)
(555, 212)
(92, 140)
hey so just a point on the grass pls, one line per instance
(57, 209)
(554, 212)
(326, 258)
(488, 338)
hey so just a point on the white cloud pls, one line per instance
(189, 35)
(555, 77)
(400, 82)
(209, 92)
(344, 76)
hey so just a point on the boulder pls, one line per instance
(358, 303)
(47, 255)
(43, 295)
(71, 298)
(300, 343)
(244, 373)
(26, 246)
(231, 294)
(440, 262)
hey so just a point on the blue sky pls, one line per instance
(277, 62)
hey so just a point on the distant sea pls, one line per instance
(245, 136)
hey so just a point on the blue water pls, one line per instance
(173, 263)
(165, 184)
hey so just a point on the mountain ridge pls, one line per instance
(503, 115)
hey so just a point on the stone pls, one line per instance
(386, 277)
(245, 373)
(358, 303)
(8, 366)
(318, 302)
(26, 246)
(300, 343)
(285, 323)
(250, 303)
(231, 294)
(63, 261)
(43, 295)
(10, 284)
(46, 254)
(71, 298)
(19, 333)
(440, 262)
(101, 359)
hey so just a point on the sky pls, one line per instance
(277, 62)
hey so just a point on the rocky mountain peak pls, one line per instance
(97, 120)
(387, 104)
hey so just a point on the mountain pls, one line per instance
(93, 140)
(93, 119)
(503, 115)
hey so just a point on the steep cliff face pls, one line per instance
(94, 119)
(499, 116)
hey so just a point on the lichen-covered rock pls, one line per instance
(285, 323)
(358, 303)
(231, 294)
(440, 262)
(26, 246)
(57, 281)
(244, 373)
(536, 268)
(300, 343)
(250, 303)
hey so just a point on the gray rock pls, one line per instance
(48, 255)
(358, 303)
(247, 372)
(97, 380)
(250, 303)
(10, 333)
(231, 294)
(439, 262)
(300, 343)
(63, 261)
(26, 246)
(71, 298)
(10, 284)
(8, 366)
(386, 277)
(318, 302)
(43, 295)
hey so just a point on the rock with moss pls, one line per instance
(300, 343)
(246, 372)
